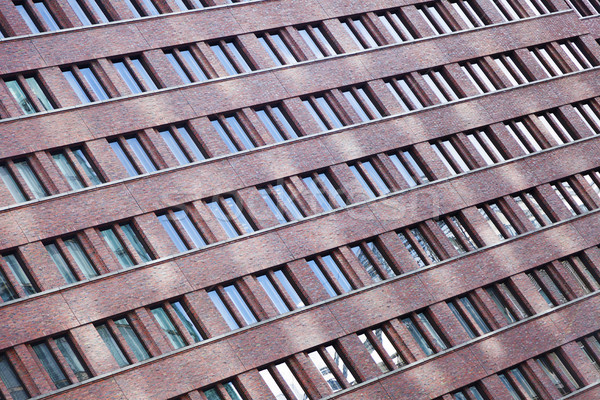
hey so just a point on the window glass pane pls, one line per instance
(341, 365)
(240, 304)
(269, 51)
(77, 88)
(185, 319)
(190, 228)
(177, 151)
(168, 327)
(102, 18)
(238, 56)
(266, 120)
(287, 201)
(363, 182)
(222, 218)
(273, 294)
(319, 274)
(81, 258)
(20, 274)
(284, 121)
(143, 72)
(173, 234)
(93, 82)
(311, 43)
(272, 385)
(132, 84)
(141, 154)
(48, 18)
(68, 171)
(410, 248)
(193, 65)
(381, 259)
(150, 7)
(135, 241)
(27, 18)
(87, 167)
(7, 293)
(432, 331)
(31, 179)
(124, 158)
(337, 273)
(374, 175)
(61, 264)
(373, 353)
(475, 315)
(224, 136)
(315, 115)
(17, 92)
(418, 336)
(318, 361)
(462, 321)
(49, 363)
(12, 185)
(403, 171)
(366, 263)
(177, 67)
(239, 215)
(133, 341)
(73, 359)
(325, 107)
(232, 391)
(189, 141)
(112, 345)
(229, 68)
(283, 280)
(240, 132)
(356, 106)
(212, 394)
(216, 299)
(320, 196)
(11, 380)
(117, 248)
(272, 206)
(283, 48)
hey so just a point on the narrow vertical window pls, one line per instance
(11, 380)
(405, 92)
(48, 361)
(318, 41)
(327, 194)
(358, 31)
(20, 274)
(329, 274)
(323, 113)
(280, 378)
(232, 218)
(127, 149)
(279, 125)
(233, 133)
(409, 168)
(187, 65)
(398, 26)
(168, 327)
(370, 179)
(277, 46)
(231, 56)
(85, 83)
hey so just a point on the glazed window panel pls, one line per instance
(397, 25)
(11, 379)
(318, 40)
(20, 273)
(278, 123)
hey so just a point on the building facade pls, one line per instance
(299, 199)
